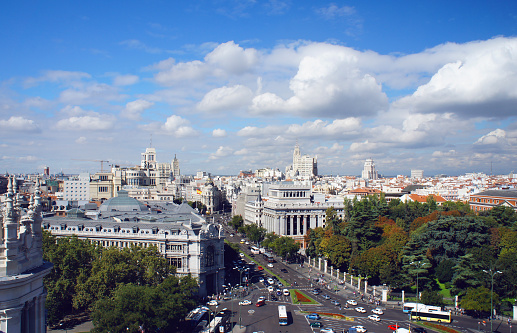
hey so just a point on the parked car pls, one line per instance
(374, 317)
(274, 298)
(378, 311)
(270, 289)
(360, 309)
(286, 292)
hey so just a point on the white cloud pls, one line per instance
(221, 152)
(97, 93)
(125, 80)
(492, 138)
(57, 76)
(174, 125)
(231, 58)
(89, 123)
(218, 133)
(81, 140)
(226, 98)
(134, 109)
(20, 124)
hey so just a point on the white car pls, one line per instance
(213, 302)
(352, 302)
(245, 302)
(270, 281)
(326, 330)
(261, 280)
(360, 309)
(360, 329)
(270, 289)
(286, 292)
(261, 298)
(374, 317)
(378, 311)
(270, 265)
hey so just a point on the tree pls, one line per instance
(285, 246)
(269, 239)
(432, 297)
(236, 222)
(444, 271)
(478, 300)
(160, 308)
(255, 233)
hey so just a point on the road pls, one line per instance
(265, 318)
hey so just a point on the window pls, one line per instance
(210, 256)
(174, 248)
(103, 189)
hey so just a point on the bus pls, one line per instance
(220, 320)
(427, 314)
(197, 315)
(408, 307)
(269, 257)
(255, 250)
(282, 315)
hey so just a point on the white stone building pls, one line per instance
(304, 167)
(369, 171)
(22, 295)
(184, 238)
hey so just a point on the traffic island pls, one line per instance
(300, 298)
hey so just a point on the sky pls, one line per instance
(234, 85)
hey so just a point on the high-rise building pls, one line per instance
(175, 167)
(417, 174)
(304, 166)
(22, 269)
(369, 171)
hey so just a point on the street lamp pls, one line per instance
(492, 273)
(421, 264)
(240, 283)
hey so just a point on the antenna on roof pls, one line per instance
(151, 142)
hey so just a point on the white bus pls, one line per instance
(282, 315)
(408, 307)
(255, 250)
(427, 314)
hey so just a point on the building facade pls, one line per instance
(22, 269)
(184, 238)
(492, 198)
(304, 166)
(369, 171)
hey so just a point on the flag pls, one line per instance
(198, 191)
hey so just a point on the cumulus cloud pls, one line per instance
(231, 58)
(134, 109)
(19, 124)
(81, 140)
(339, 128)
(328, 83)
(221, 152)
(89, 123)
(174, 125)
(56, 76)
(492, 138)
(97, 93)
(226, 98)
(125, 80)
(480, 84)
(218, 133)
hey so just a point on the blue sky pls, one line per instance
(233, 85)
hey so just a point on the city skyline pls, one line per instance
(234, 85)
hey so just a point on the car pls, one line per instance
(286, 292)
(360, 329)
(326, 296)
(270, 265)
(247, 243)
(378, 311)
(393, 327)
(261, 280)
(260, 303)
(326, 330)
(243, 241)
(374, 317)
(231, 235)
(283, 270)
(260, 268)
(245, 302)
(279, 284)
(270, 281)
(270, 289)
(274, 298)
(213, 302)
(278, 292)
(261, 298)
(336, 303)
(317, 324)
(418, 330)
(241, 254)
(360, 309)
(312, 316)
(352, 302)
(315, 292)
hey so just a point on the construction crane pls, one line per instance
(102, 162)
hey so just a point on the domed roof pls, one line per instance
(123, 203)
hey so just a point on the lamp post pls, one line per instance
(492, 274)
(419, 265)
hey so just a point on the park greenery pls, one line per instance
(449, 245)
(122, 289)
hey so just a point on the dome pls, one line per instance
(123, 203)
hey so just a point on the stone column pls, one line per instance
(403, 296)
(326, 266)
(384, 295)
(331, 270)
(337, 274)
(365, 287)
(319, 263)
(12, 320)
(351, 280)
(359, 284)
(515, 312)
(374, 291)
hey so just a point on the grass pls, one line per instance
(437, 327)
(446, 293)
(299, 297)
(284, 282)
(330, 315)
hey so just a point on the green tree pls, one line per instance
(236, 222)
(444, 271)
(285, 246)
(432, 297)
(269, 240)
(478, 299)
(255, 233)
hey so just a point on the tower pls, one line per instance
(175, 167)
(369, 171)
